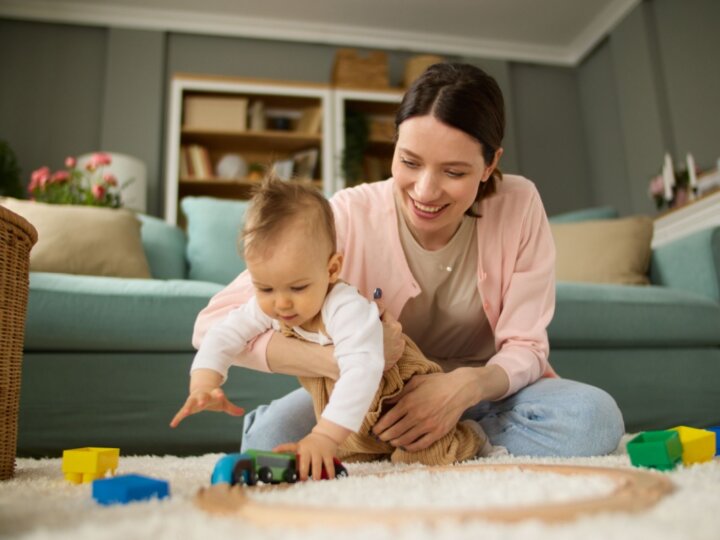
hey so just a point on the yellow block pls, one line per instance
(698, 444)
(90, 463)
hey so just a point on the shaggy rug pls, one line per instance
(38, 503)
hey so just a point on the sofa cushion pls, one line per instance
(85, 240)
(585, 214)
(604, 251)
(213, 226)
(89, 313)
(605, 316)
(164, 247)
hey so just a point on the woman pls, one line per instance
(465, 259)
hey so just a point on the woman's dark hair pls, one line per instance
(466, 98)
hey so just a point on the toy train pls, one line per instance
(251, 466)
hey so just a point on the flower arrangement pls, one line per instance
(89, 185)
(674, 187)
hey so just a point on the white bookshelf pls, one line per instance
(260, 146)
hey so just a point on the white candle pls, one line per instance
(692, 177)
(668, 177)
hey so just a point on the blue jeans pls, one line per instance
(552, 417)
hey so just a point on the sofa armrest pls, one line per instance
(164, 247)
(691, 263)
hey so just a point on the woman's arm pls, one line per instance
(292, 356)
(303, 359)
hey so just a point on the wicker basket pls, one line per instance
(17, 237)
(353, 70)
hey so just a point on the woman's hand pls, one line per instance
(431, 405)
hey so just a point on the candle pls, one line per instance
(692, 177)
(668, 177)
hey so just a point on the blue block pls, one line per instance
(716, 431)
(129, 487)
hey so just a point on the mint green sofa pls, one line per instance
(106, 359)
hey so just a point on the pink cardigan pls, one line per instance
(516, 272)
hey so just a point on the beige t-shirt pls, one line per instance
(446, 319)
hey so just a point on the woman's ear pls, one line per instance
(490, 168)
(335, 266)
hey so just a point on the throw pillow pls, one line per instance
(585, 214)
(604, 251)
(213, 226)
(85, 240)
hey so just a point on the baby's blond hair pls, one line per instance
(276, 203)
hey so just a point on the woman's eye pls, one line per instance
(410, 164)
(455, 174)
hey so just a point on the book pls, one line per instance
(200, 162)
(310, 121)
(184, 166)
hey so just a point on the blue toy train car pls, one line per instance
(267, 467)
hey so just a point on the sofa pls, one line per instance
(106, 359)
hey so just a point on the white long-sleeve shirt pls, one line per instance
(352, 324)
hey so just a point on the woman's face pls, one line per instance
(437, 170)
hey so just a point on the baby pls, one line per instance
(291, 255)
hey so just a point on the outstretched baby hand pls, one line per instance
(210, 399)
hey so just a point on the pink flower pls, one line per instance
(98, 191)
(60, 177)
(110, 180)
(39, 178)
(657, 187)
(70, 162)
(98, 159)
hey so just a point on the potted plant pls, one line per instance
(10, 184)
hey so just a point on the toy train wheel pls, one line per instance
(340, 471)
(290, 476)
(265, 475)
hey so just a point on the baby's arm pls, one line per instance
(354, 325)
(222, 343)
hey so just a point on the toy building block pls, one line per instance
(82, 465)
(698, 445)
(660, 450)
(128, 487)
(716, 431)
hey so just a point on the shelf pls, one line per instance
(281, 141)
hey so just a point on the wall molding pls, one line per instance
(142, 18)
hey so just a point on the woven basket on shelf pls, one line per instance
(17, 237)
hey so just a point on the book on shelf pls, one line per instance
(258, 121)
(310, 121)
(185, 167)
(197, 162)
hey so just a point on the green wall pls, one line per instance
(592, 134)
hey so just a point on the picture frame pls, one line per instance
(305, 163)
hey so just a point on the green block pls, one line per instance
(660, 450)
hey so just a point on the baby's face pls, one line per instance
(291, 277)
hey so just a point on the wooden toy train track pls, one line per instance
(634, 491)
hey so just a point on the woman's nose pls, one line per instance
(426, 187)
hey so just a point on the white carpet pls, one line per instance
(38, 503)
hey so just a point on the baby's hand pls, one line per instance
(206, 399)
(314, 451)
